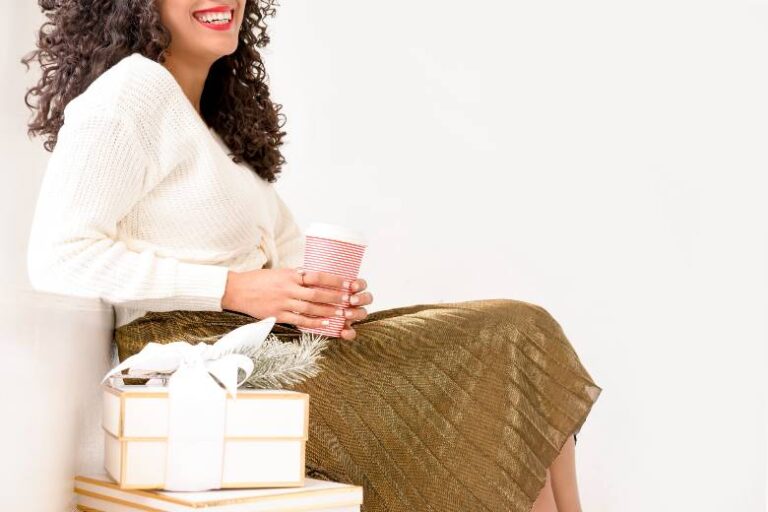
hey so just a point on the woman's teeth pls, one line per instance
(216, 18)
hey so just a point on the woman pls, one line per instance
(158, 199)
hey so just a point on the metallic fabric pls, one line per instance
(432, 407)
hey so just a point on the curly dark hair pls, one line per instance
(83, 38)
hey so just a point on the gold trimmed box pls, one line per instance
(96, 493)
(264, 438)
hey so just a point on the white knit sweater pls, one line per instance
(142, 207)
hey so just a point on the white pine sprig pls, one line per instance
(279, 364)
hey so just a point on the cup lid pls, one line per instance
(335, 232)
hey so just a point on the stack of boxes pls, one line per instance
(262, 467)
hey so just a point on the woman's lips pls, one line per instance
(216, 26)
(218, 8)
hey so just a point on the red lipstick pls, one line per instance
(215, 26)
(218, 8)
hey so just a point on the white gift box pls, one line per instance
(264, 445)
(95, 493)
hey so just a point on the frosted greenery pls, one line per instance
(279, 364)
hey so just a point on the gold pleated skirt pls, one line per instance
(432, 407)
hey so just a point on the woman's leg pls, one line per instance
(546, 500)
(567, 499)
(564, 486)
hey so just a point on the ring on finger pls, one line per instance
(301, 273)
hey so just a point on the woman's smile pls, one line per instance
(216, 18)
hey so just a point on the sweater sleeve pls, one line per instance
(96, 174)
(289, 238)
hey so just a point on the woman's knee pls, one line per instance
(515, 308)
(522, 316)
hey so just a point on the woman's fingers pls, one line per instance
(325, 279)
(328, 280)
(355, 314)
(320, 295)
(348, 333)
(318, 298)
(324, 287)
(361, 299)
(299, 320)
(313, 309)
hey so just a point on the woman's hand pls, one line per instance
(354, 313)
(278, 292)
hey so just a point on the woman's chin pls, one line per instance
(216, 51)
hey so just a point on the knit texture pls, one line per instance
(142, 206)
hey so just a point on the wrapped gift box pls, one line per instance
(265, 434)
(95, 493)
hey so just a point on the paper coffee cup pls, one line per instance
(336, 250)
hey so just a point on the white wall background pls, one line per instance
(603, 159)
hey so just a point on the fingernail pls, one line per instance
(345, 297)
(348, 314)
(355, 286)
(339, 312)
(355, 299)
(345, 284)
(325, 322)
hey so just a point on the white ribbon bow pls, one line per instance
(196, 402)
(216, 359)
